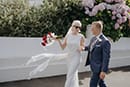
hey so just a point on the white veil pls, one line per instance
(75, 23)
(47, 57)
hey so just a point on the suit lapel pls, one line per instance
(91, 43)
(97, 42)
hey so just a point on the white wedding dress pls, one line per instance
(71, 54)
(74, 58)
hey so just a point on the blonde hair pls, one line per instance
(98, 24)
(74, 23)
(77, 23)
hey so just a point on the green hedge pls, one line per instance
(55, 16)
(17, 19)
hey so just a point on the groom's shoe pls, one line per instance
(102, 84)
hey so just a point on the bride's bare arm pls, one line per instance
(63, 45)
(82, 44)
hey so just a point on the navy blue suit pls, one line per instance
(98, 58)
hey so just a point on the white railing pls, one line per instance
(15, 52)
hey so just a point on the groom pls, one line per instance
(98, 55)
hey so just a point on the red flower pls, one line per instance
(44, 40)
(50, 34)
(43, 43)
(44, 37)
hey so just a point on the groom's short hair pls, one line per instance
(98, 24)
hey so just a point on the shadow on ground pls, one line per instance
(59, 81)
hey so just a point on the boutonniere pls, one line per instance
(100, 40)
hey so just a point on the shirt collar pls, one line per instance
(98, 36)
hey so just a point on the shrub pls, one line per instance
(17, 19)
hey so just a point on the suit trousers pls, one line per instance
(95, 80)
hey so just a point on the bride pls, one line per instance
(72, 44)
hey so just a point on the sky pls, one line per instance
(35, 2)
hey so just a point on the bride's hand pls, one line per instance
(54, 38)
(80, 49)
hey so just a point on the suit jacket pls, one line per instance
(99, 56)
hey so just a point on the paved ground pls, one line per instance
(119, 77)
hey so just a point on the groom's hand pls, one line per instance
(81, 49)
(102, 75)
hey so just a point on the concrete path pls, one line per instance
(119, 77)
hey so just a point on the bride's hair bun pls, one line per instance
(77, 23)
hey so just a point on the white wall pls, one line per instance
(15, 52)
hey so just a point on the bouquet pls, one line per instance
(48, 38)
